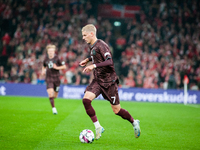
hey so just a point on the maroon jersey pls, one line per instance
(100, 52)
(52, 75)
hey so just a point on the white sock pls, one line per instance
(134, 123)
(97, 124)
(54, 109)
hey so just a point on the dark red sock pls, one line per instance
(52, 101)
(89, 109)
(125, 115)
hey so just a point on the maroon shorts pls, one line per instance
(55, 85)
(110, 93)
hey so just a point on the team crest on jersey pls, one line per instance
(93, 52)
(50, 64)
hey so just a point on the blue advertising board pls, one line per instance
(125, 94)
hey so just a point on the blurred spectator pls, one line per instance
(41, 79)
(5, 78)
(69, 76)
(153, 50)
(13, 75)
(1, 73)
(129, 81)
(34, 78)
(171, 80)
(6, 38)
(4, 54)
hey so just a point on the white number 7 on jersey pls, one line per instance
(113, 99)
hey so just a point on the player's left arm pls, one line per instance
(105, 52)
(107, 62)
(107, 57)
(60, 67)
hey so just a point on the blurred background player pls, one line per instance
(105, 80)
(51, 67)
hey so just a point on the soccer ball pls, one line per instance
(86, 136)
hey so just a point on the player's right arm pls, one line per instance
(84, 62)
(43, 70)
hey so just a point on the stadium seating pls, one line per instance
(155, 49)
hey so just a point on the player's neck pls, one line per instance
(93, 41)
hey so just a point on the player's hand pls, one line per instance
(88, 68)
(43, 72)
(83, 63)
(55, 66)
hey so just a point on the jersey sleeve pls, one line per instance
(44, 64)
(105, 52)
(60, 63)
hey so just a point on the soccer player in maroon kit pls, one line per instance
(51, 67)
(105, 80)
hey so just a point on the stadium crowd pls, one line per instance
(155, 50)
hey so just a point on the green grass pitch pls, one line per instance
(28, 123)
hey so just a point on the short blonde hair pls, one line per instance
(89, 28)
(50, 46)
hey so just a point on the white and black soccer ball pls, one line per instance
(86, 136)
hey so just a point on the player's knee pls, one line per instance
(55, 95)
(50, 92)
(116, 111)
(51, 95)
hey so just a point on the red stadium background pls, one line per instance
(154, 43)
